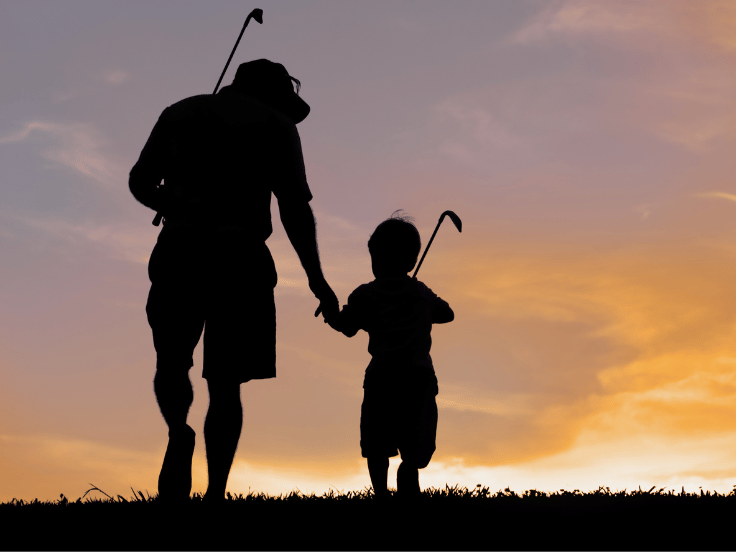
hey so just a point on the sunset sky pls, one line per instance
(588, 147)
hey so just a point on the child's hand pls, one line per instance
(334, 322)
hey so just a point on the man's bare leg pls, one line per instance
(378, 470)
(222, 428)
(174, 394)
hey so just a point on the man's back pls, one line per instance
(221, 157)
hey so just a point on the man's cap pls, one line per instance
(271, 83)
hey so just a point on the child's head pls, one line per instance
(394, 246)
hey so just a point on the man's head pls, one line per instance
(394, 246)
(271, 83)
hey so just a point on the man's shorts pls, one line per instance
(222, 286)
(399, 415)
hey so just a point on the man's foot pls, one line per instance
(175, 479)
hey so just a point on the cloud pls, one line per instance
(709, 24)
(77, 146)
(129, 240)
(115, 77)
(721, 195)
(635, 337)
(672, 77)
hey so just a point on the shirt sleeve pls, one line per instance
(290, 177)
(351, 315)
(439, 308)
(152, 161)
(150, 169)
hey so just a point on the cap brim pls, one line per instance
(294, 107)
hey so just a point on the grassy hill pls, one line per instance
(452, 518)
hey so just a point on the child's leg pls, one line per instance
(378, 470)
(407, 479)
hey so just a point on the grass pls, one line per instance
(453, 518)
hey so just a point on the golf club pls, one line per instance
(455, 220)
(256, 14)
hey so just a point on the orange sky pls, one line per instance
(587, 146)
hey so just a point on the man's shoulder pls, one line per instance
(187, 105)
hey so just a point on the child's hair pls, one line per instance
(396, 242)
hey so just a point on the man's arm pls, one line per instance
(300, 226)
(146, 175)
(145, 188)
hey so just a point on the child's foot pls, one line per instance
(407, 481)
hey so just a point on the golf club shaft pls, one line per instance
(258, 14)
(428, 244)
(247, 20)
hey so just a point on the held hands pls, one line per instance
(329, 306)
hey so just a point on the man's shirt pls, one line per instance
(220, 157)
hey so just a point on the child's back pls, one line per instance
(399, 410)
(397, 313)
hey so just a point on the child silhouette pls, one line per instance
(399, 410)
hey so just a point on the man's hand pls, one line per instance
(329, 306)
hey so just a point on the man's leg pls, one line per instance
(222, 428)
(378, 470)
(174, 395)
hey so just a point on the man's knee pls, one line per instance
(169, 365)
(227, 390)
(172, 381)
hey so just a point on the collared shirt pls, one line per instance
(220, 157)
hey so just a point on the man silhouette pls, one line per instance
(220, 157)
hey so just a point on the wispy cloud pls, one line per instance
(710, 23)
(77, 146)
(678, 84)
(115, 77)
(129, 240)
(720, 195)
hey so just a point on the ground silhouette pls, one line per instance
(452, 518)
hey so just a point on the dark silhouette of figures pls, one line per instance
(220, 157)
(399, 410)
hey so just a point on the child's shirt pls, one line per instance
(397, 314)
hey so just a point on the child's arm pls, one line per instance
(342, 323)
(442, 313)
(347, 321)
(438, 307)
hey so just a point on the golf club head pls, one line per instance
(257, 14)
(455, 220)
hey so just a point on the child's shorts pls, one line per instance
(399, 415)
